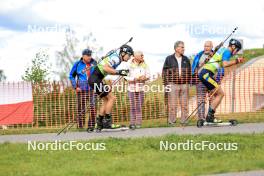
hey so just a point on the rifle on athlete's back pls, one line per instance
(108, 54)
(218, 47)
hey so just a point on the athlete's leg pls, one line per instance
(102, 111)
(217, 98)
(95, 82)
(216, 92)
(108, 109)
(110, 102)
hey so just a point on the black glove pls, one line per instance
(122, 72)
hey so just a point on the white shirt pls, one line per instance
(135, 71)
(179, 60)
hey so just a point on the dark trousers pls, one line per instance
(83, 98)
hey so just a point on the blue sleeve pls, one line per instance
(196, 61)
(226, 55)
(71, 77)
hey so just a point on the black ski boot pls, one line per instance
(99, 123)
(210, 115)
(107, 122)
(211, 118)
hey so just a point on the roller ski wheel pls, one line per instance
(200, 123)
(98, 130)
(233, 122)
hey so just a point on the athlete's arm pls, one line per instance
(232, 62)
(226, 59)
(229, 63)
(108, 69)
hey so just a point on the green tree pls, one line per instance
(39, 70)
(2, 76)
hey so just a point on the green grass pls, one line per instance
(140, 156)
(252, 53)
(32, 131)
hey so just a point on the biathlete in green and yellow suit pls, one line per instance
(220, 59)
(108, 67)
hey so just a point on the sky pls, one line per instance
(28, 25)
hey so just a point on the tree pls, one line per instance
(71, 51)
(39, 70)
(2, 76)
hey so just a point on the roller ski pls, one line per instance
(212, 121)
(106, 125)
(115, 128)
(202, 122)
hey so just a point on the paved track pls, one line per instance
(146, 132)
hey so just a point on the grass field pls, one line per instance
(140, 156)
(252, 53)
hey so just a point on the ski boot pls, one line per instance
(99, 123)
(211, 118)
(107, 122)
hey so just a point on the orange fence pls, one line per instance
(55, 104)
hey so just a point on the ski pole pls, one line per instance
(195, 110)
(70, 124)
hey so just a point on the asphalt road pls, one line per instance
(146, 132)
